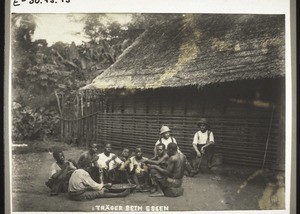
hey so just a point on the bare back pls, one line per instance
(177, 165)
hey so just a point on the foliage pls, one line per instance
(34, 79)
(44, 79)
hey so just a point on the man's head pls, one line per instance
(59, 156)
(165, 132)
(138, 153)
(160, 148)
(93, 148)
(125, 152)
(202, 124)
(172, 149)
(107, 148)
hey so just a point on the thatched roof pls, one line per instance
(200, 50)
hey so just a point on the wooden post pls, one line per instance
(267, 142)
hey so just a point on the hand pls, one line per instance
(118, 165)
(202, 150)
(113, 157)
(95, 158)
(152, 166)
(71, 167)
(107, 185)
(65, 165)
(199, 154)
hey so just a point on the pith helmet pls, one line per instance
(164, 129)
(202, 121)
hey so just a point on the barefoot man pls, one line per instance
(169, 180)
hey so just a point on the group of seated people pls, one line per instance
(93, 174)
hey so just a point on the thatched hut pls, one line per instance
(228, 68)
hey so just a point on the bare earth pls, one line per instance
(222, 188)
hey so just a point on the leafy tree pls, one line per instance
(34, 79)
(45, 78)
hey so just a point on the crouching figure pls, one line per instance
(169, 180)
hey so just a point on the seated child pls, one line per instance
(139, 170)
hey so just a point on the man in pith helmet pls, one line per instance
(165, 138)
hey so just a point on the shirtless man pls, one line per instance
(160, 160)
(162, 157)
(169, 180)
(88, 162)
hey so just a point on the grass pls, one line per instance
(39, 146)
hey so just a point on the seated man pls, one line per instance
(139, 170)
(203, 144)
(108, 163)
(121, 172)
(169, 180)
(165, 138)
(88, 162)
(60, 173)
(83, 187)
(125, 155)
(161, 160)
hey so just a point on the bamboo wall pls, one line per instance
(240, 128)
(240, 140)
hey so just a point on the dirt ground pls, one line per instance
(221, 188)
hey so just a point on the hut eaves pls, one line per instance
(200, 50)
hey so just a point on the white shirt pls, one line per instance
(81, 180)
(112, 164)
(166, 142)
(201, 138)
(139, 169)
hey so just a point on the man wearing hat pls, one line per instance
(203, 143)
(165, 138)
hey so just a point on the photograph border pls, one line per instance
(290, 61)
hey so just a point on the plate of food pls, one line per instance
(121, 187)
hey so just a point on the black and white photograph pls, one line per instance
(148, 112)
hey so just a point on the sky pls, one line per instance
(59, 27)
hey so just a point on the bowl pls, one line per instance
(117, 188)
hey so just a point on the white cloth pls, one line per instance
(139, 169)
(112, 164)
(166, 141)
(81, 180)
(201, 138)
(54, 169)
